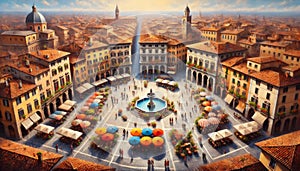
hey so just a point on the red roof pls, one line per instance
(217, 47)
(284, 149)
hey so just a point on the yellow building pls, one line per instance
(20, 107)
(275, 49)
(281, 153)
(78, 70)
(60, 77)
(38, 36)
(291, 57)
(233, 36)
(211, 33)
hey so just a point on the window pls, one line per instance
(283, 99)
(21, 113)
(5, 103)
(234, 73)
(29, 108)
(257, 82)
(268, 96)
(285, 89)
(42, 96)
(270, 87)
(256, 90)
(255, 66)
(36, 103)
(33, 92)
(233, 81)
(8, 116)
(244, 86)
(48, 92)
(40, 87)
(272, 163)
(296, 96)
(18, 100)
(26, 96)
(298, 87)
(245, 77)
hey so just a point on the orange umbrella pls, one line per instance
(96, 93)
(208, 108)
(59, 117)
(158, 141)
(90, 100)
(145, 141)
(107, 137)
(158, 132)
(136, 132)
(203, 123)
(76, 122)
(206, 103)
(80, 116)
(100, 131)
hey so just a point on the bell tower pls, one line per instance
(117, 12)
(186, 22)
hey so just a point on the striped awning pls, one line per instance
(27, 123)
(35, 117)
(228, 99)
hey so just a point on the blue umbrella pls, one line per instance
(147, 131)
(210, 98)
(216, 107)
(135, 140)
(58, 112)
(112, 129)
(94, 105)
(52, 116)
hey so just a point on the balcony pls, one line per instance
(58, 92)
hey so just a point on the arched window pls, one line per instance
(39, 28)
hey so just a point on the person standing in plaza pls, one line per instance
(56, 147)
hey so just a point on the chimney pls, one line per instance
(40, 157)
(27, 63)
(20, 84)
(30, 69)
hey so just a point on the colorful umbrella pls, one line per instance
(96, 101)
(136, 132)
(203, 123)
(208, 108)
(213, 120)
(158, 141)
(85, 124)
(84, 109)
(210, 98)
(76, 122)
(214, 103)
(206, 103)
(216, 107)
(97, 93)
(147, 131)
(135, 140)
(212, 114)
(100, 131)
(87, 104)
(94, 105)
(145, 141)
(80, 116)
(158, 132)
(107, 137)
(112, 129)
(90, 100)
(203, 94)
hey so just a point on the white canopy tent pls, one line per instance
(44, 128)
(66, 132)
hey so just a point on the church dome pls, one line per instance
(35, 16)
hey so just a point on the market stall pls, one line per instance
(44, 131)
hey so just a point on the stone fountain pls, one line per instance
(151, 104)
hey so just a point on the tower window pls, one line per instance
(39, 28)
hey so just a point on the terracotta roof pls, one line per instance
(210, 29)
(12, 90)
(94, 45)
(295, 53)
(52, 54)
(230, 62)
(284, 149)
(75, 58)
(277, 44)
(247, 42)
(16, 156)
(18, 33)
(216, 47)
(150, 38)
(81, 165)
(235, 31)
(262, 59)
(245, 162)
(33, 69)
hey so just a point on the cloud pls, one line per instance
(45, 2)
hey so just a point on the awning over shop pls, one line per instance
(99, 82)
(65, 107)
(225, 133)
(159, 80)
(27, 123)
(66, 132)
(119, 77)
(259, 118)
(171, 72)
(165, 81)
(44, 128)
(70, 102)
(87, 86)
(172, 83)
(125, 75)
(81, 89)
(35, 117)
(241, 106)
(215, 136)
(111, 78)
(228, 99)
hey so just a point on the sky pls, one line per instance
(154, 5)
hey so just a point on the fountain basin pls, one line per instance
(142, 105)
